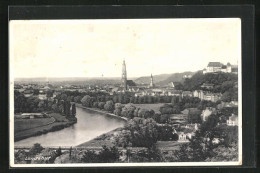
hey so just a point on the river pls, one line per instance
(89, 125)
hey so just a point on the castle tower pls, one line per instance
(124, 77)
(151, 83)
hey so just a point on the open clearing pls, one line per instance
(155, 107)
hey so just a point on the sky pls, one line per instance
(92, 48)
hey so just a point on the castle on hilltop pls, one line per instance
(214, 67)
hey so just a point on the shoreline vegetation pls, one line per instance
(101, 112)
(60, 122)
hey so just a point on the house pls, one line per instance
(206, 113)
(233, 120)
(42, 96)
(178, 119)
(187, 76)
(173, 92)
(214, 97)
(207, 95)
(182, 137)
(199, 94)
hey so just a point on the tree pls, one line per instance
(58, 152)
(164, 118)
(194, 115)
(77, 99)
(70, 152)
(41, 106)
(61, 109)
(128, 111)
(101, 105)
(37, 148)
(165, 133)
(49, 93)
(73, 110)
(109, 106)
(145, 113)
(63, 97)
(109, 155)
(118, 109)
(174, 100)
(36, 92)
(115, 99)
(166, 109)
(90, 157)
(144, 132)
(87, 101)
(66, 108)
(224, 154)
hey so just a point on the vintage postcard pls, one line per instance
(125, 92)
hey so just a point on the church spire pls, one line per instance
(124, 76)
(151, 83)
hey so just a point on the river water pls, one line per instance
(89, 125)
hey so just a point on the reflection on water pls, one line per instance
(90, 125)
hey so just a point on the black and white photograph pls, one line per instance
(125, 92)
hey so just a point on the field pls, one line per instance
(24, 128)
(24, 124)
(155, 107)
(59, 117)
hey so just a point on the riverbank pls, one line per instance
(104, 139)
(101, 112)
(26, 128)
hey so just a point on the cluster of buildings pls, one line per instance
(152, 90)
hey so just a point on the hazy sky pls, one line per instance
(90, 48)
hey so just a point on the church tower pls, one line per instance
(151, 83)
(124, 77)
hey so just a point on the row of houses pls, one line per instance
(206, 95)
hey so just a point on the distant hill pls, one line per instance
(72, 80)
(164, 79)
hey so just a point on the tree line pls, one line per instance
(33, 104)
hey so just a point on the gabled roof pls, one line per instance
(214, 64)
